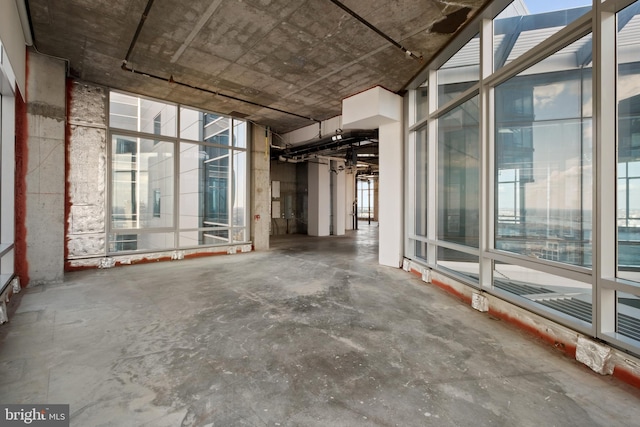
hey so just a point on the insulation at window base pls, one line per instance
(594, 355)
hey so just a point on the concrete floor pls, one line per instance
(313, 332)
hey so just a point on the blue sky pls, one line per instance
(539, 6)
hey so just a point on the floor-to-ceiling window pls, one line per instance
(517, 188)
(7, 169)
(178, 176)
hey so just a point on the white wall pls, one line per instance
(319, 198)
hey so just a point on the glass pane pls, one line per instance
(422, 102)
(460, 72)
(628, 93)
(239, 134)
(458, 175)
(204, 186)
(208, 236)
(524, 25)
(240, 189)
(216, 129)
(120, 242)
(543, 161)
(563, 295)
(422, 198)
(365, 189)
(628, 315)
(142, 183)
(191, 124)
(460, 262)
(421, 250)
(142, 115)
(239, 235)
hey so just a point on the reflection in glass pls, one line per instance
(141, 115)
(459, 175)
(628, 191)
(120, 242)
(422, 197)
(422, 102)
(524, 25)
(628, 315)
(543, 160)
(460, 72)
(563, 295)
(239, 133)
(459, 262)
(421, 250)
(142, 183)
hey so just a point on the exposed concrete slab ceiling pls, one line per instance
(300, 57)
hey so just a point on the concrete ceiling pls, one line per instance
(293, 61)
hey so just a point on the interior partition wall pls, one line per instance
(523, 160)
(178, 177)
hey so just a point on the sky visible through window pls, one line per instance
(541, 6)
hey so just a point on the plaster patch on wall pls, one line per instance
(86, 245)
(88, 104)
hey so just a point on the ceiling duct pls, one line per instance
(328, 145)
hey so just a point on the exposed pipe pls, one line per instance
(212, 92)
(143, 18)
(171, 80)
(378, 31)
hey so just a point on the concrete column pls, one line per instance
(338, 198)
(45, 175)
(260, 182)
(379, 108)
(319, 198)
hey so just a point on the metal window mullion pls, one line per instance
(604, 152)
(176, 181)
(410, 159)
(486, 126)
(553, 44)
(432, 168)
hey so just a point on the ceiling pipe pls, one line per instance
(143, 18)
(171, 80)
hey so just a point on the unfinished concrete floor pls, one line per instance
(311, 333)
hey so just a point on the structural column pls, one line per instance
(45, 174)
(260, 187)
(319, 198)
(381, 109)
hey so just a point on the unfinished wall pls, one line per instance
(87, 159)
(45, 172)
